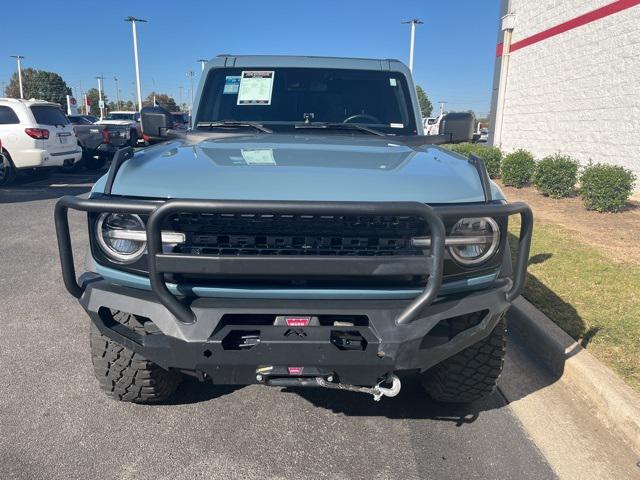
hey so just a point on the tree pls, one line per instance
(162, 100)
(425, 104)
(41, 85)
(94, 100)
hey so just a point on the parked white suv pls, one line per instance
(35, 134)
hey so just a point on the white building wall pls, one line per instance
(577, 92)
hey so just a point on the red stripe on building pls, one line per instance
(597, 14)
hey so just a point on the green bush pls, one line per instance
(492, 156)
(556, 176)
(465, 149)
(606, 188)
(517, 169)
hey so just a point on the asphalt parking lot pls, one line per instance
(55, 423)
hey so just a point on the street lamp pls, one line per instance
(18, 58)
(133, 21)
(190, 74)
(115, 79)
(202, 62)
(100, 78)
(413, 22)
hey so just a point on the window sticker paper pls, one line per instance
(256, 88)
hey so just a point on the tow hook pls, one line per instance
(378, 391)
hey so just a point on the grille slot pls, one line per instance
(277, 235)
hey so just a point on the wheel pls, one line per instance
(133, 138)
(125, 375)
(473, 373)
(94, 163)
(7, 170)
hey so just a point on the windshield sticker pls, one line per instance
(392, 81)
(256, 88)
(258, 156)
(231, 85)
(396, 125)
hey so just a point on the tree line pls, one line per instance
(50, 86)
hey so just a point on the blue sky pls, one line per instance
(455, 48)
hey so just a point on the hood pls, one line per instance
(299, 167)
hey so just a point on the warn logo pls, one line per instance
(295, 370)
(297, 321)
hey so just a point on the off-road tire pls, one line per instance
(125, 375)
(473, 373)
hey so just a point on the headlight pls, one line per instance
(485, 234)
(121, 236)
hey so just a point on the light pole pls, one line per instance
(100, 101)
(202, 63)
(18, 58)
(413, 22)
(190, 74)
(115, 79)
(133, 21)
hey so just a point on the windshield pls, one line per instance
(284, 97)
(120, 116)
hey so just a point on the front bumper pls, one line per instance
(190, 334)
(203, 347)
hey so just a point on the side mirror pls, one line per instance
(155, 122)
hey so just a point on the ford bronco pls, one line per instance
(302, 233)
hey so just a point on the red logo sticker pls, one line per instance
(295, 370)
(297, 321)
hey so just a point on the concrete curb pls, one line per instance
(610, 399)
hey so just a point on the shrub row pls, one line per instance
(604, 188)
(492, 156)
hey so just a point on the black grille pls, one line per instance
(263, 234)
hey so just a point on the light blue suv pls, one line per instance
(302, 232)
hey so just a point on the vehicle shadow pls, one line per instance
(29, 188)
(412, 403)
(193, 391)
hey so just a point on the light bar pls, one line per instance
(453, 241)
(141, 236)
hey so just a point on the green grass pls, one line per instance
(592, 298)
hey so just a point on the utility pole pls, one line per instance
(190, 74)
(115, 79)
(413, 22)
(18, 58)
(202, 63)
(100, 100)
(133, 21)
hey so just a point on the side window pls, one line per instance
(8, 116)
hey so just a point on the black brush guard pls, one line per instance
(160, 263)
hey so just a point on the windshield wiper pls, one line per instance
(340, 126)
(234, 123)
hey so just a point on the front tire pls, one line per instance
(473, 373)
(125, 375)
